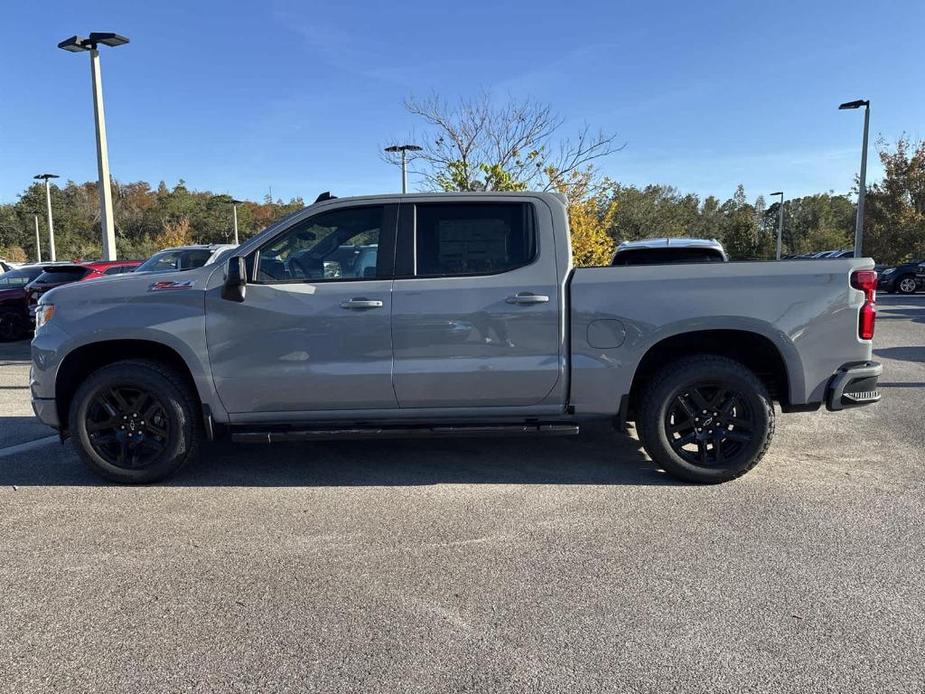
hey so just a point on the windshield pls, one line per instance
(170, 260)
(18, 278)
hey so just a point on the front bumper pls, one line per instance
(854, 385)
(46, 409)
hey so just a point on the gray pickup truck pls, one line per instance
(454, 315)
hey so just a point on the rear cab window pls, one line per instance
(62, 275)
(667, 256)
(18, 278)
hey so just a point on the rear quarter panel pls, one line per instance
(806, 308)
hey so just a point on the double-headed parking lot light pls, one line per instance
(77, 44)
(404, 149)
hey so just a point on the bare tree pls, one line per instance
(477, 144)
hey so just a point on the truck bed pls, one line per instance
(806, 310)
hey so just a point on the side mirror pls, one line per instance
(235, 286)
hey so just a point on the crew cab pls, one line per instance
(465, 317)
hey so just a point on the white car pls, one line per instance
(662, 251)
(184, 257)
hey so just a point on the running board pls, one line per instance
(404, 433)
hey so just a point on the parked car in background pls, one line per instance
(107, 268)
(65, 273)
(907, 278)
(184, 257)
(14, 306)
(663, 251)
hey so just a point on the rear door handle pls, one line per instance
(527, 298)
(361, 302)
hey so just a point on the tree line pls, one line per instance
(476, 145)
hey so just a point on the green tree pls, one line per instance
(894, 222)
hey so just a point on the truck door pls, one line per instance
(313, 332)
(475, 305)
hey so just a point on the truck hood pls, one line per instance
(129, 285)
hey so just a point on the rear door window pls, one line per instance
(457, 239)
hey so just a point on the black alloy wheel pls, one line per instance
(709, 424)
(127, 426)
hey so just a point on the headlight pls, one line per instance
(43, 314)
(888, 271)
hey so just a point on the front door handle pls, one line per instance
(361, 302)
(528, 298)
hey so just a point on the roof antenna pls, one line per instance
(326, 195)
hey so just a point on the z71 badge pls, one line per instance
(167, 284)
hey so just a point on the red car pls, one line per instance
(14, 306)
(66, 273)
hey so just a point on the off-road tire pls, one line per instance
(671, 382)
(180, 414)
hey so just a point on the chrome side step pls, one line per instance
(276, 436)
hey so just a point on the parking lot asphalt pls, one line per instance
(476, 565)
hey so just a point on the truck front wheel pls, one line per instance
(706, 419)
(135, 422)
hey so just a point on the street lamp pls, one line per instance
(51, 223)
(780, 221)
(234, 210)
(76, 44)
(404, 170)
(862, 186)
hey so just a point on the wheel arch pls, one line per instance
(758, 352)
(84, 360)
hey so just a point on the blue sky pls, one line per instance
(240, 97)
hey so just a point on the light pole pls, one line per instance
(51, 223)
(780, 222)
(76, 44)
(234, 211)
(862, 186)
(404, 165)
(38, 241)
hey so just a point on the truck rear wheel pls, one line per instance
(135, 422)
(706, 419)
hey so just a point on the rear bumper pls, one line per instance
(854, 385)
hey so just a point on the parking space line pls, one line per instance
(28, 446)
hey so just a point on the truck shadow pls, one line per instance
(15, 353)
(599, 457)
(912, 353)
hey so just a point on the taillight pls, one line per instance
(866, 281)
